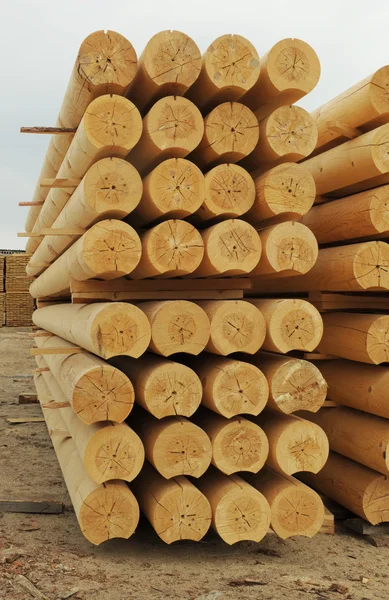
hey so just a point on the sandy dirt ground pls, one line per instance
(50, 551)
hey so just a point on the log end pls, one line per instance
(172, 389)
(175, 123)
(239, 445)
(232, 61)
(375, 500)
(229, 191)
(290, 131)
(378, 90)
(302, 446)
(297, 510)
(370, 265)
(294, 325)
(297, 385)
(377, 341)
(293, 64)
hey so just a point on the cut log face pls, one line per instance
(169, 65)
(290, 324)
(176, 509)
(162, 387)
(287, 249)
(289, 71)
(230, 67)
(285, 192)
(236, 326)
(171, 249)
(296, 509)
(231, 247)
(231, 133)
(176, 326)
(174, 189)
(171, 129)
(239, 511)
(104, 328)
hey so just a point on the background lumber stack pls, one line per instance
(16, 304)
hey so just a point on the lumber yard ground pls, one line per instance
(51, 553)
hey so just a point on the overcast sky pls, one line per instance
(40, 39)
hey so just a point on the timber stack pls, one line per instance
(16, 303)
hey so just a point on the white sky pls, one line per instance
(40, 39)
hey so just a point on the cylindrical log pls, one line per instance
(236, 326)
(364, 106)
(106, 63)
(283, 193)
(104, 328)
(172, 128)
(111, 126)
(108, 250)
(231, 132)
(96, 390)
(173, 190)
(239, 511)
(173, 445)
(357, 435)
(103, 511)
(295, 508)
(230, 67)
(176, 326)
(288, 249)
(171, 249)
(364, 215)
(356, 336)
(230, 387)
(351, 268)
(356, 487)
(231, 247)
(288, 134)
(294, 384)
(175, 508)
(111, 189)
(291, 324)
(295, 444)
(229, 193)
(237, 444)
(162, 387)
(169, 65)
(289, 71)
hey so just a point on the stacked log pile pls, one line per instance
(164, 389)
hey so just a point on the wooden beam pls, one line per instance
(20, 420)
(59, 182)
(37, 203)
(62, 231)
(49, 130)
(47, 507)
(85, 297)
(158, 285)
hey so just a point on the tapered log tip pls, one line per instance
(292, 63)
(231, 60)
(114, 121)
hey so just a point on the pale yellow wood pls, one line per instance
(54, 351)
(58, 182)
(85, 297)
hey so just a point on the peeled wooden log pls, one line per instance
(162, 387)
(356, 165)
(171, 249)
(291, 324)
(236, 326)
(104, 511)
(356, 487)
(289, 71)
(231, 247)
(295, 508)
(173, 445)
(175, 508)
(237, 444)
(230, 387)
(174, 189)
(229, 193)
(111, 126)
(96, 390)
(176, 326)
(364, 387)
(288, 134)
(230, 67)
(172, 128)
(356, 336)
(169, 65)
(231, 133)
(364, 106)
(357, 435)
(350, 268)
(283, 193)
(294, 384)
(104, 328)
(363, 215)
(106, 64)
(295, 444)
(239, 511)
(288, 249)
(108, 250)
(111, 189)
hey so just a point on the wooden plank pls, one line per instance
(32, 506)
(328, 526)
(62, 231)
(158, 285)
(364, 528)
(85, 298)
(59, 183)
(37, 203)
(40, 333)
(39, 351)
(28, 399)
(329, 404)
(19, 420)
(49, 130)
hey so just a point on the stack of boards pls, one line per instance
(16, 304)
(168, 226)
